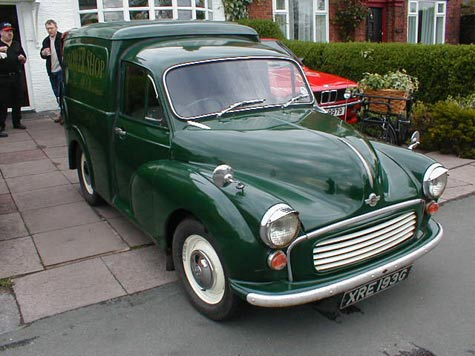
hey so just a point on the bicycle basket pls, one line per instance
(384, 100)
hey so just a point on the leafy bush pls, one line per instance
(447, 126)
(442, 70)
(265, 28)
(398, 80)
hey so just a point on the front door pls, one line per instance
(374, 25)
(8, 14)
(141, 142)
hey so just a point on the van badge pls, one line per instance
(372, 199)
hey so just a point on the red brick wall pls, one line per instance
(452, 26)
(394, 22)
(261, 9)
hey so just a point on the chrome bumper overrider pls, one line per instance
(297, 298)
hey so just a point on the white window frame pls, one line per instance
(207, 9)
(316, 12)
(282, 12)
(437, 15)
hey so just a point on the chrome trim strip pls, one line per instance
(287, 300)
(369, 171)
(344, 223)
(350, 103)
(228, 59)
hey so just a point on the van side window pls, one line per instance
(154, 111)
(140, 97)
(134, 91)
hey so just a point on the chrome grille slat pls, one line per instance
(359, 258)
(366, 231)
(351, 248)
(365, 241)
(362, 251)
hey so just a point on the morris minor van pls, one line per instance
(213, 145)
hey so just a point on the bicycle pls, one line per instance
(386, 118)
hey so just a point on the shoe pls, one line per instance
(59, 119)
(3, 134)
(19, 126)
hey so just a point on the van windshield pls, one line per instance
(216, 88)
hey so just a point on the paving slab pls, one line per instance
(78, 242)
(7, 205)
(22, 156)
(61, 163)
(27, 168)
(106, 211)
(36, 181)
(65, 288)
(12, 226)
(140, 269)
(18, 257)
(71, 175)
(16, 136)
(129, 232)
(59, 217)
(449, 161)
(465, 173)
(58, 140)
(3, 186)
(18, 146)
(46, 197)
(57, 152)
(9, 314)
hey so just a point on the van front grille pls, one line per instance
(348, 249)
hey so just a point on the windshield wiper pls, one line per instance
(294, 99)
(238, 104)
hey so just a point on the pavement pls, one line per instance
(57, 253)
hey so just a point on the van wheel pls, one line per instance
(202, 275)
(85, 179)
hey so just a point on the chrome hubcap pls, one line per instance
(202, 270)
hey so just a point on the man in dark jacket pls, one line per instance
(12, 58)
(51, 50)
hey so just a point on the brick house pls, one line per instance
(414, 21)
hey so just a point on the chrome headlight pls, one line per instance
(279, 226)
(435, 180)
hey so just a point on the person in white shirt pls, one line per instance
(51, 50)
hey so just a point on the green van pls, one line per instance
(213, 145)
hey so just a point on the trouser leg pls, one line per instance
(16, 99)
(3, 115)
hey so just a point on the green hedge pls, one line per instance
(265, 28)
(442, 70)
(447, 126)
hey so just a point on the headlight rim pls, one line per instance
(434, 171)
(273, 214)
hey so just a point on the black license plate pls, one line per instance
(367, 290)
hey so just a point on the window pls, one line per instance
(140, 96)
(91, 11)
(305, 20)
(426, 22)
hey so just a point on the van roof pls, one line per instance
(123, 30)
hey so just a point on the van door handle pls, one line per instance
(119, 132)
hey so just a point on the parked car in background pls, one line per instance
(331, 91)
(211, 143)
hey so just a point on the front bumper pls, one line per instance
(296, 297)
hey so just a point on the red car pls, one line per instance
(329, 89)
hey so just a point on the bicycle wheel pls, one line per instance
(377, 131)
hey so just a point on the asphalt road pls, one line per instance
(431, 313)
